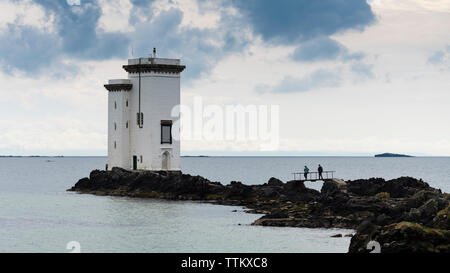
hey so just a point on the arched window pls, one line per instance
(115, 145)
(165, 164)
(115, 126)
(115, 105)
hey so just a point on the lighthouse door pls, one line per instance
(134, 162)
(165, 160)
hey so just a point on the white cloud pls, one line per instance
(115, 15)
(412, 5)
(25, 12)
(192, 14)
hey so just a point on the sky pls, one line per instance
(350, 77)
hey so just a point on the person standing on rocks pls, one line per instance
(320, 171)
(306, 171)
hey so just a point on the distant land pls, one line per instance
(392, 155)
(31, 156)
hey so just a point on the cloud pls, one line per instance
(200, 49)
(76, 28)
(77, 35)
(316, 80)
(440, 57)
(26, 48)
(323, 49)
(291, 21)
(363, 70)
(31, 49)
(437, 57)
(78, 32)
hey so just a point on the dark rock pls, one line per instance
(420, 197)
(366, 227)
(383, 220)
(277, 214)
(237, 190)
(404, 187)
(270, 192)
(366, 187)
(400, 187)
(274, 182)
(366, 204)
(82, 183)
(294, 186)
(329, 188)
(404, 237)
(296, 191)
(427, 212)
(442, 219)
(332, 195)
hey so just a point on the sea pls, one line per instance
(37, 214)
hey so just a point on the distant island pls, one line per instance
(392, 155)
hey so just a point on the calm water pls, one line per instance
(38, 215)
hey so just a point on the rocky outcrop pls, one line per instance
(403, 237)
(417, 223)
(178, 186)
(401, 187)
(399, 214)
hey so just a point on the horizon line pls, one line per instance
(12, 156)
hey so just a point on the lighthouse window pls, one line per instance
(115, 126)
(127, 103)
(115, 105)
(126, 125)
(115, 145)
(166, 132)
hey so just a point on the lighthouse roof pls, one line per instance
(154, 65)
(118, 85)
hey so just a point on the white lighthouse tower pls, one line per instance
(139, 115)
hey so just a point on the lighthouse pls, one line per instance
(140, 118)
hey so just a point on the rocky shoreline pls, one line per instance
(403, 215)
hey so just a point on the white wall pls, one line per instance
(159, 94)
(117, 132)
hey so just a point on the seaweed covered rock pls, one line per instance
(442, 219)
(403, 237)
